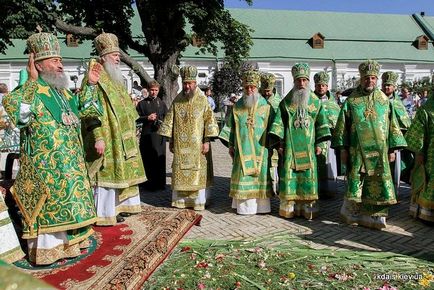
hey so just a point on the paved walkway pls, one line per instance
(220, 222)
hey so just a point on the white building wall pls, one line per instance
(345, 72)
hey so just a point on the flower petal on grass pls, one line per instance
(202, 264)
(250, 281)
(185, 249)
(219, 258)
(261, 264)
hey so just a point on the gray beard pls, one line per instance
(369, 89)
(300, 98)
(59, 81)
(114, 72)
(250, 101)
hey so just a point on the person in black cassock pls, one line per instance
(153, 146)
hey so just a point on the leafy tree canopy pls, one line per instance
(228, 80)
(420, 85)
(168, 27)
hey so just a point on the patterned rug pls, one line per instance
(122, 256)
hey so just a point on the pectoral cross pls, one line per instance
(250, 122)
(369, 112)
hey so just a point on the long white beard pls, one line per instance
(57, 80)
(300, 98)
(250, 101)
(114, 72)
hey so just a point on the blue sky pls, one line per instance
(364, 6)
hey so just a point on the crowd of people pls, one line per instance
(81, 163)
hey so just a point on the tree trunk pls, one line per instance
(168, 80)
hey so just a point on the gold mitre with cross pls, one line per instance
(321, 78)
(44, 45)
(106, 43)
(251, 78)
(188, 73)
(389, 78)
(268, 80)
(300, 70)
(369, 68)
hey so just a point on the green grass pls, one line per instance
(288, 264)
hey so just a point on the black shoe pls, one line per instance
(119, 218)
(124, 214)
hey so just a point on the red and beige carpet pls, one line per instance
(122, 256)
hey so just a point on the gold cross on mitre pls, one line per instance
(39, 28)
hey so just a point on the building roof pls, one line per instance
(285, 34)
(333, 25)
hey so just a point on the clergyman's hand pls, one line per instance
(205, 148)
(100, 147)
(94, 73)
(3, 192)
(31, 68)
(318, 150)
(152, 117)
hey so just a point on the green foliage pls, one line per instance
(110, 15)
(20, 19)
(228, 80)
(420, 85)
(287, 265)
(212, 23)
(164, 24)
(164, 31)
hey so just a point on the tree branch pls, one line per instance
(135, 66)
(90, 32)
(143, 48)
(77, 30)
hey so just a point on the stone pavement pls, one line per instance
(403, 235)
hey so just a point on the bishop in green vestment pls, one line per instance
(190, 125)
(327, 163)
(112, 149)
(403, 158)
(246, 135)
(420, 140)
(301, 124)
(268, 91)
(368, 133)
(52, 188)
